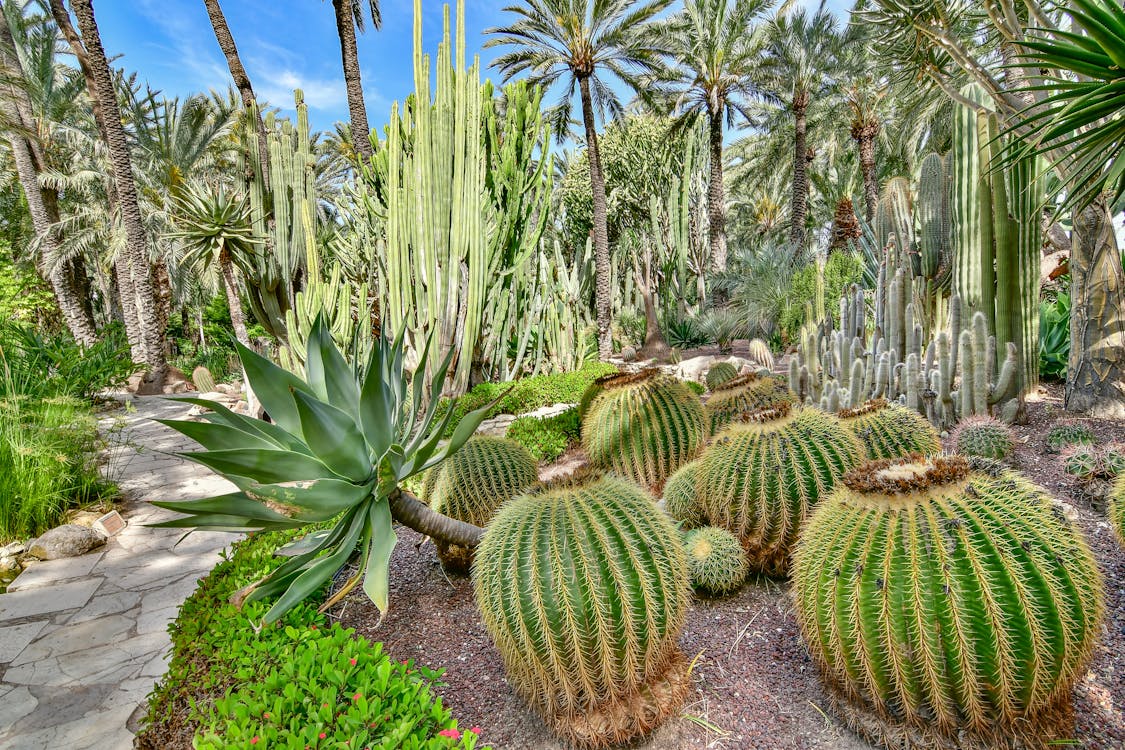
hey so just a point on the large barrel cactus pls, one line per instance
(761, 476)
(720, 373)
(681, 496)
(888, 430)
(983, 436)
(742, 394)
(947, 603)
(583, 585)
(474, 482)
(643, 426)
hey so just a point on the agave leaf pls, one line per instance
(232, 504)
(265, 466)
(324, 499)
(218, 437)
(327, 371)
(374, 414)
(333, 437)
(273, 386)
(468, 425)
(220, 414)
(381, 536)
(308, 543)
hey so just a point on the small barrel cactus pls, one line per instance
(582, 584)
(717, 564)
(474, 482)
(643, 426)
(761, 475)
(1065, 434)
(983, 436)
(743, 394)
(1117, 508)
(888, 430)
(947, 606)
(203, 380)
(759, 353)
(681, 497)
(720, 373)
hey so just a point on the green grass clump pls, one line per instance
(717, 563)
(1066, 434)
(983, 436)
(947, 606)
(301, 682)
(546, 439)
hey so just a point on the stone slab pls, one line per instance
(20, 604)
(55, 571)
(68, 639)
(14, 638)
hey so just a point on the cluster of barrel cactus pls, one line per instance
(583, 586)
(888, 430)
(643, 426)
(681, 496)
(743, 394)
(1066, 434)
(717, 563)
(946, 606)
(762, 474)
(1087, 462)
(720, 373)
(983, 436)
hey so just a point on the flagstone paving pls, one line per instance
(83, 640)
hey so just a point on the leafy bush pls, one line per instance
(841, 270)
(682, 332)
(546, 439)
(1054, 337)
(52, 364)
(298, 683)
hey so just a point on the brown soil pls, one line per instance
(753, 683)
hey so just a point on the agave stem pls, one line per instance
(413, 513)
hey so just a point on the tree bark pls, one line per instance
(410, 512)
(864, 134)
(1095, 379)
(237, 318)
(349, 57)
(799, 206)
(128, 204)
(655, 346)
(716, 198)
(602, 299)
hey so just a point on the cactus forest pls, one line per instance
(667, 374)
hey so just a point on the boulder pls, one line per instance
(175, 381)
(13, 549)
(696, 368)
(229, 389)
(69, 540)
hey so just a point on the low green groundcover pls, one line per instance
(302, 683)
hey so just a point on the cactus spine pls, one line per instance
(983, 436)
(742, 394)
(717, 563)
(583, 586)
(681, 496)
(1117, 508)
(760, 477)
(888, 430)
(946, 607)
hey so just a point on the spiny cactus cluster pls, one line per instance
(473, 483)
(984, 436)
(203, 380)
(761, 475)
(643, 426)
(720, 373)
(717, 564)
(742, 394)
(1087, 462)
(1065, 434)
(582, 584)
(946, 606)
(889, 430)
(681, 497)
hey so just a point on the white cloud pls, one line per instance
(276, 86)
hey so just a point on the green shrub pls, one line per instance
(298, 683)
(548, 438)
(1054, 337)
(840, 271)
(51, 364)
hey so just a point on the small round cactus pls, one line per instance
(946, 606)
(1083, 462)
(582, 584)
(1065, 434)
(720, 373)
(743, 394)
(474, 482)
(681, 497)
(761, 475)
(643, 426)
(983, 436)
(889, 430)
(717, 563)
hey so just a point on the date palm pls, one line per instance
(350, 17)
(582, 43)
(716, 46)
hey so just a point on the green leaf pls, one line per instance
(327, 371)
(333, 437)
(265, 466)
(220, 414)
(218, 437)
(235, 504)
(273, 386)
(323, 499)
(382, 538)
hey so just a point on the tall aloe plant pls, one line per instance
(342, 441)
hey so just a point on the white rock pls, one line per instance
(69, 540)
(696, 368)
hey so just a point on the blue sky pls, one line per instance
(284, 44)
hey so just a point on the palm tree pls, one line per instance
(717, 48)
(864, 92)
(349, 17)
(573, 41)
(796, 70)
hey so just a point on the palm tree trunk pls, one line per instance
(716, 210)
(135, 240)
(799, 207)
(1095, 381)
(864, 134)
(602, 300)
(127, 297)
(237, 317)
(349, 56)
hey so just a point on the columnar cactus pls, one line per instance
(759, 353)
(681, 497)
(474, 482)
(203, 380)
(742, 394)
(717, 564)
(946, 606)
(984, 436)
(761, 475)
(643, 426)
(582, 584)
(888, 430)
(720, 373)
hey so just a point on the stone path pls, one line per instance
(83, 640)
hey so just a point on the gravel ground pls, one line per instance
(754, 686)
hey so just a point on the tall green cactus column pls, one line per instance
(1025, 193)
(973, 278)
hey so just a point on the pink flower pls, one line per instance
(452, 734)
(475, 730)
(322, 735)
(254, 740)
(352, 661)
(266, 715)
(357, 696)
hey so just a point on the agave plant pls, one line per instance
(340, 444)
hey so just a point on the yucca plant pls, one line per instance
(743, 394)
(339, 446)
(888, 430)
(947, 603)
(582, 584)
